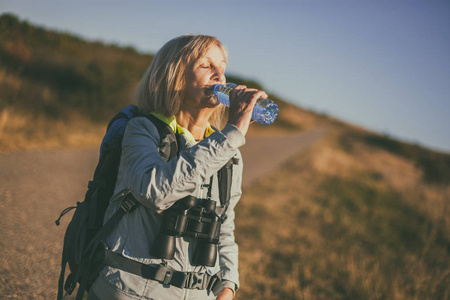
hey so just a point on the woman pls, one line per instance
(177, 90)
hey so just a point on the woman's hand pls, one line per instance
(242, 102)
(226, 294)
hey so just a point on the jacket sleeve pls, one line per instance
(228, 249)
(157, 184)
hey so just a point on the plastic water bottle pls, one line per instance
(265, 111)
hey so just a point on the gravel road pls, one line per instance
(35, 186)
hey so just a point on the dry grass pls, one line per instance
(20, 131)
(335, 225)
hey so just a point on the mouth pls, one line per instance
(208, 90)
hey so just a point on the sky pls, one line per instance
(383, 65)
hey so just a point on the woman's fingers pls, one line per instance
(242, 102)
(237, 91)
(241, 92)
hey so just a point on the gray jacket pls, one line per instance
(158, 185)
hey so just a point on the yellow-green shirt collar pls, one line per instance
(172, 122)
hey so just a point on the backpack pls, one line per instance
(86, 229)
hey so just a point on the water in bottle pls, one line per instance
(265, 111)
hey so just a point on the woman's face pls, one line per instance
(201, 75)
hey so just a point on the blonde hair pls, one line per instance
(162, 86)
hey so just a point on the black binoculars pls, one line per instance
(190, 217)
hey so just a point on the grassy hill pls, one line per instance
(346, 220)
(56, 89)
(357, 216)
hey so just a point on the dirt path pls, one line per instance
(36, 186)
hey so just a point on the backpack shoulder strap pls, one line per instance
(168, 140)
(225, 177)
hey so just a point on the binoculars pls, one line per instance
(190, 217)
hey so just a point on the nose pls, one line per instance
(218, 75)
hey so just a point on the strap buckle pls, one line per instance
(164, 274)
(196, 281)
(128, 204)
(167, 278)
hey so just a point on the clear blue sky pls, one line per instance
(383, 65)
